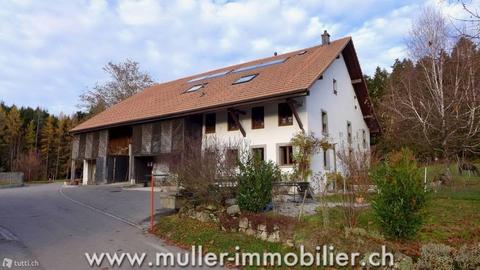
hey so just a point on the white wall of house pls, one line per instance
(340, 108)
(270, 137)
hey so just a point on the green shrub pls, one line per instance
(400, 197)
(435, 256)
(255, 184)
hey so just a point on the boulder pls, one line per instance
(211, 208)
(243, 224)
(274, 237)
(231, 201)
(202, 216)
(233, 210)
(262, 235)
(262, 227)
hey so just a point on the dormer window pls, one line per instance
(195, 88)
(245, 78)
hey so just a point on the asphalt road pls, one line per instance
(55, 225)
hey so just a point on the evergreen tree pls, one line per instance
(13, 135)
(377, 85)
(29, 141)
(3, 150)
(63, 145)
(48, 135)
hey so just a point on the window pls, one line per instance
(324, 123)
(326, 160)
(349, 132)
(285, 155)
(231, 156)
(258, 117)
(364, 138)
(232, 124)
(335, 90)
(245, 78)
(258, 152)
(195, 88)
(285, 116)
(210, 122)
(265, 64)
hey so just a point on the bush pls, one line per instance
(400, 197)
(206, 177)
(435, 256)
(255, 183)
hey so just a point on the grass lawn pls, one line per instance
(452, 217)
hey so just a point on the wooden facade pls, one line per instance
(128, 152)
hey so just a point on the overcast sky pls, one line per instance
(51, 51)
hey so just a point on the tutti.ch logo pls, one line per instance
(7, 263)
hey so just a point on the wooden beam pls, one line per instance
(234, 114)
(293, 106)
(357, 81)
(237, 111)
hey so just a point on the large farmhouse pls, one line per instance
(264, 102)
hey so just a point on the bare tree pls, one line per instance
(437, 97)
(355, 164)
(472, 30)
(208, 175)
(126, 80)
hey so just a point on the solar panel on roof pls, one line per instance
(265, 64)
(210, 76)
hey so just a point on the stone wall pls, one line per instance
(261, 226)
(11, 179)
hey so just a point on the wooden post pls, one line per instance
(234, 115)
(152, 203)
(425, 180)
(131, 168)
(72, 171)
(293, 107)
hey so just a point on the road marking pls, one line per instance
(124, 220)
(7, 235)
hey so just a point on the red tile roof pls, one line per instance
(168, 99)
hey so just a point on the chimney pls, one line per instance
(325, 38)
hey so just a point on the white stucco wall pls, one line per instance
(269, 137)
(340, 108)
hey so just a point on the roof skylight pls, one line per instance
(265, 64)
(210, 76)
(195, 88)
(245, 78)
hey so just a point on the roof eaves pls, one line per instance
(297, 92)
